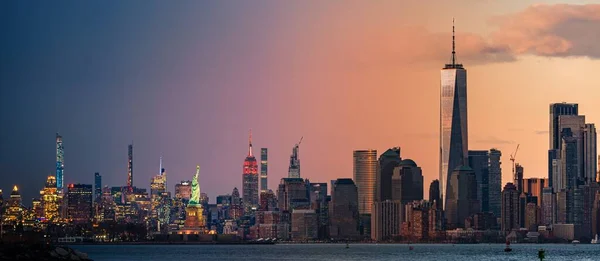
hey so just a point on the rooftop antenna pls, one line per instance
(453, 44)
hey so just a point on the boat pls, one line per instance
(575, 242)
(347, 245)
(595, 240)
(507, 248)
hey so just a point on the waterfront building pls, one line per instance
(264, 155)
(79, 202)
(386, 220)
(548, 206)
(407, 182)
(531, 216)
(462, 197)
(453, 121)
(344, 216)
(510, 208)
(60, 163)
(250, 180)
(416, 222)
(387, 162)
(365, 171)
(304, 225)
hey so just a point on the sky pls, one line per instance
(188, 79)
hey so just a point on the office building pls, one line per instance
(268, 201)
(304, 225)
(518, 178)
(60, 163)
(510, 208)
(236, 210)
(495, 182)
(293, 193)
(590, 153)
(365, 171)
(344, 216)
(183, 190)
(434, 193)
(548, 206)
(462, 197)
(479, 161)
(453, 121)
(14, 208)
(415, 227)
(556, 110)
(388, 161)
(531, 216)
(97, 185)
(386, 220)
(250, 180)
(50, 202)
(79, 198)
(264, 155)
(407, 182)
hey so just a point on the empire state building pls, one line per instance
(453, 121)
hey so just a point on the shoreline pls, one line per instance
(296, 243)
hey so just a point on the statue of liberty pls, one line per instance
(195, 199)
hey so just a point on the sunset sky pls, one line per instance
(188, 79)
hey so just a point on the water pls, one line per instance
(332, 252)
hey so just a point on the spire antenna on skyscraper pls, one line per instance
(250, 143)
(453, 44)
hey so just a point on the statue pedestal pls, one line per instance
(194, 220)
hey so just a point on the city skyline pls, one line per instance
(98, 110)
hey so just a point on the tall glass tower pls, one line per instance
(60, 162)
(453, 120)
(250, 179)
(263, 170)
(365, 175)
(130, 167)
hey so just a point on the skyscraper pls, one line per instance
(462, 197)
(264, 187)
(97, 185)
(590, 153)
(344, 214)
(407, 182)
(434, 193)
(130, 167)
(79, 198)
(250, 179)
(519, 177)
(495, 182)
(389, 160)
(453, 120)
(365, 171)
(183, 190)
(50, 199)
(60, 162)
(510, 208)
(556, 110)
(479, 161)
(294, 169)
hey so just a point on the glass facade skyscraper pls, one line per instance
(264, 187)
(365, 171)
(60, 162)
(453, 120)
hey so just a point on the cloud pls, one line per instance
(561, 30)
(493, 140)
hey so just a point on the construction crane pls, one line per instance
(512, 158)
(300, 140)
